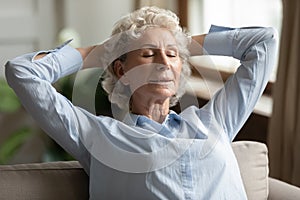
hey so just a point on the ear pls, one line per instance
(119, 72)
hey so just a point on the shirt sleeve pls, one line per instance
(255, 47)
(31, 80)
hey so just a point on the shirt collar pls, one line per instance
(132, 119)
(172, 119)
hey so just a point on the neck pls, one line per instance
(155, 109)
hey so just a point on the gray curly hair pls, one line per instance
(133, 25)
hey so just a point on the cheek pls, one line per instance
(137, 76)
(177, 69)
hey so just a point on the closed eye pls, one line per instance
(171, 54)
(148, 55)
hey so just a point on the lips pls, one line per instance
(158, 81)
(161, 78)
(161, 82)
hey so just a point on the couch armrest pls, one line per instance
(281, 190)
(54, 180)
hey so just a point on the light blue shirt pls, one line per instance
(188, 156)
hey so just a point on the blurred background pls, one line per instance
(32, 25)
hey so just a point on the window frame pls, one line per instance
(264, 106)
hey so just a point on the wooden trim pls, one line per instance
(183, 12)
(226, 75)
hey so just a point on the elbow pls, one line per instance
(270, 34)
(10, 72)
(14, 72)
(263, 34)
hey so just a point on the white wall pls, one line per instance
(34, 24)
(93, 19)
(26, 25)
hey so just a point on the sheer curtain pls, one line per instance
(284, 129)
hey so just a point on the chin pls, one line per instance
(157, 91)
(165, 93)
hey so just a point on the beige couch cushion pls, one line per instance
(253, 162)
(56, 180)
(67, 180)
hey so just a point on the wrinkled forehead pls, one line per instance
(159, 38)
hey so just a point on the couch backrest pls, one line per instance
(67, 180)
(43, 181)
(253, 162)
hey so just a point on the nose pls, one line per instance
(162, 61)
(161, 67)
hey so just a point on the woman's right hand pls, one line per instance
(196, 46)
(84, 51)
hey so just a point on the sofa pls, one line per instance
(67, 179)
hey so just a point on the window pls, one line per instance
(233, 13)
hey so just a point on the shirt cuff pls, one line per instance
(219, 41)
(214, 28)
(69, 59)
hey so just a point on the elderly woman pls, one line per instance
(153, 152)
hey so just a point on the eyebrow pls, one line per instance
(153, 46)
